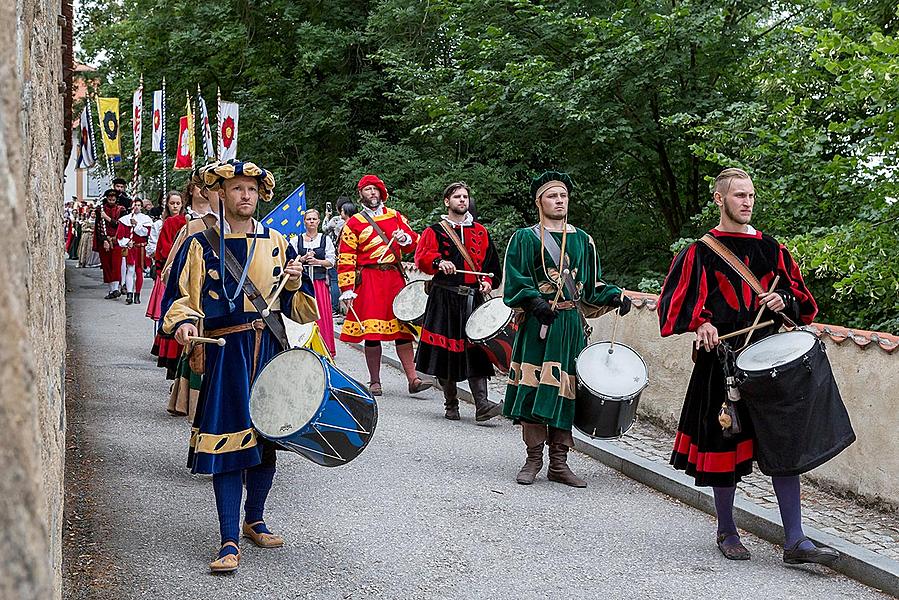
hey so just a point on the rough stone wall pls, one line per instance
(32, 348)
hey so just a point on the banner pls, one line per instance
(228, 112)
(183, 157)
(157, 121)
(109, 126)
(287, 217)
(136, 121)
(87, 158)
(208, 146)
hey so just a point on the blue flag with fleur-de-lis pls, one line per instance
(287, 217)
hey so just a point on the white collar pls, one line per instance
(375, 212)
(226, 227)
(467, 222)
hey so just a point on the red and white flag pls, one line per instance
(137, 115)
(184, 159)
(228, 113)
(208, 146)
(157, 121)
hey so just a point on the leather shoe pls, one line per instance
(417, 385)
(494, 409)
(226, 563)
(733, 550)
(261, 539)
(821, 555)
(374, 388)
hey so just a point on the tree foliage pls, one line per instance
(642, 102)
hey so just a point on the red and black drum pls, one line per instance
(492, 326)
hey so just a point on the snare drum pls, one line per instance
(608, 389)
(492, 326)
(411, 302)
(797, 412)
(305, 404)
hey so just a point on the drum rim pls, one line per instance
(317, 411)
(786, 365)
(422, 283)
(497, 332)
(581, 383)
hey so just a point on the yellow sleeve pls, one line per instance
(188, 287)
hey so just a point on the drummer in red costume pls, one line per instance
(370, 275)
(704, 295)
(105, 226)
(457, 242)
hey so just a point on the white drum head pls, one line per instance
(775, 350)
(298, 334)
(287, 393)
(621, 374)
(488, 319)
(411, 301)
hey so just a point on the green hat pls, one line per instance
(550, 179)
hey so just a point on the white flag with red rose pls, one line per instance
(227, 130)
(157, 121)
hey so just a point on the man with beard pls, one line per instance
(105, 227)
(370, 275)
(122, 197)
(456, 242)
(704, 295)
(542, 378)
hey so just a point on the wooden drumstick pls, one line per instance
(761, 310)
(615, 328)
(745, 330)
(195, 339)
(478, 273)
(268, 307)
(389, 244)
(358, 320)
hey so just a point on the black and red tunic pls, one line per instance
(443, 350)
(701, 287)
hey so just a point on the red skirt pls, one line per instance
(374, 307)
(154, 305)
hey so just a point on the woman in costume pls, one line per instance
(316, 251)
(173, 207)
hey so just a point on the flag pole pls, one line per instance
(196, 114)
(137, 146)
(165, 174)
(218, 118)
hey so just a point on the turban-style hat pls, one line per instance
(215, 174)
(375, 181)
(550, 179)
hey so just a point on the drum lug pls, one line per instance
(807, 363)
(773, 373)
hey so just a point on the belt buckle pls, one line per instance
(463, 290)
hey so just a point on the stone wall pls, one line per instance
(32, 351)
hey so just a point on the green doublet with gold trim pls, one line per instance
(542, 381)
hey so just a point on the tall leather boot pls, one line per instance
(560, 441)
(484, 408)
(129, 299)
(450, 399)
(534, 436)
(137, 297)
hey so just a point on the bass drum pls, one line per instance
(492, 327)
(411, 302)
(608, 389)
(303, 403)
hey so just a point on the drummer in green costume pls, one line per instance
(553, 329)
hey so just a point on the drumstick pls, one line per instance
(744, 330)
(389, 244)
(544, 329)
(358, 320)
(195, 339)
(615, 328)
(479, 273)
(268, 307)
(761, 310)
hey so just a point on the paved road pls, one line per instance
(430, 510)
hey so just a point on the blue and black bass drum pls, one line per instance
(305, 404)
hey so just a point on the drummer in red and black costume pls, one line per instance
(105, 227)
(703, 295)
(202, 294)
(443, 350)
(370, 275)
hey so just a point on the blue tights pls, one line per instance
(788, 501)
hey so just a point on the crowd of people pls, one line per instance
(222, 278)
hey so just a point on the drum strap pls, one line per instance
(399, 262)
(233, 266)
(458, 243)
(723, 252)
(555, 254)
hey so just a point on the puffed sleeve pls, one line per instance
(182, 301)
(521, 277)
(427, 252)
(800, 304)
(682, 301)
(346, 259)
(599, 297)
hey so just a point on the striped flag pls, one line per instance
(208, 146)
(87, 158)
(137, 121)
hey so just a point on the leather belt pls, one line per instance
(387, 267)
(462, 290)
(566, 305)
(256, 325)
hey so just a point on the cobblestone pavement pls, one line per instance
(867, 527)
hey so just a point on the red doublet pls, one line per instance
(170, 228)
(134, 255)
(106, 231)
(362, 249)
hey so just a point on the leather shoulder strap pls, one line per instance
(234, 268)
(555, 253)
(458, 243)
(715, 245)
(396, 252)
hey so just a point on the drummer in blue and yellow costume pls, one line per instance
(202, 296)
(542, 380)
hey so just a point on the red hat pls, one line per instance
(375, 181)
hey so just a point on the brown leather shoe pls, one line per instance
(374, 388)
(226, 563)
(263, 540)
(417, 385)
(558, 467)
(732, 550)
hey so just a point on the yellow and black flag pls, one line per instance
(108, 109)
